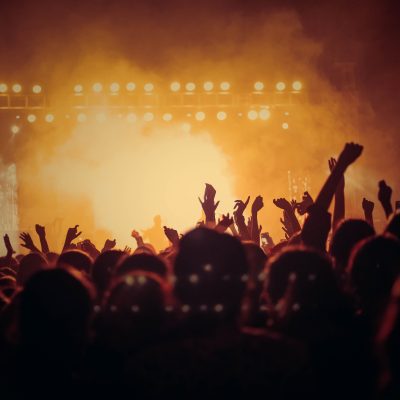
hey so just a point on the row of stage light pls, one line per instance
(253, 115)
(115, 88)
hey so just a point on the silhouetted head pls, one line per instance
(146, 248)
(142, 262)
(76, 259)
(104, 267)
(347, 235)
(393, 226)
(28, 266)
(134, 309)
(55, 307)
(373, 268)
(211, 272)
(302, 291)
(52, 258)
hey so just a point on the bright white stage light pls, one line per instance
(37, 89)
(225, 86)
(97, 87)
(221, 115)
(280, 86)
(258, 86)
(148, 87)
(175, 86)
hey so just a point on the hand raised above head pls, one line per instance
(257, 204)
(349, 154)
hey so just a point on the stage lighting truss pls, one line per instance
(272, 116)
(130, 95)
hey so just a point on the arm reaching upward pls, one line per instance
(339, 210)
(385, 197)
(368, 207)
(208, 204)
(40, 230)
(255, 229)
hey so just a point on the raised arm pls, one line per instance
(28, 242)
(9, 248)
(339, 210)
(239, 208)
(255, 229)
(347, 157)
(368, 207)
(289, 214)
(317, 225)
(40, 230)
(72, 234)
(385, 197)
(208, 204)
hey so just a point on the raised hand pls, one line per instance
(72, 234)
(208, 204)
(332, 164)
(240, 206)
(40, 230)
(9, 248)
(368, 207)
(257, 204)
(108, 245)
(138, 237)
(28, 242)
(305, 203)
(172, 235)
(127, 250)
(385, 197)
(349, 154)
(282, 203)
(224, 223)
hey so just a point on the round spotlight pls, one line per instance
(15, 129)
(131, 117)
(17, 88)
(114, 87)
(264, 114)
(297, 85)
(167, 117)
(148, 116)
(200, 116)
(49, 118)
(3, 88)
(208, 86)
(37, 89)
(100, 117)
(31, 118)
(186, 127)
(97, 87)
(221, 115)
(285, 126)
(175, 86)
(280, 86)
(190, 86)
(258, 86)
(252, 115)
(82, 117)
(130, 86)
(148, 87)
(225, 86)
(78, 88)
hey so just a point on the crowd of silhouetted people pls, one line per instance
(223, 311)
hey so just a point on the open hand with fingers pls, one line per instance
(172, 235)
(208, 203)
(306, 202)
(224, 223)
(109, 245)
(28, 242)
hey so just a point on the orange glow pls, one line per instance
(78, 88)
(175, 86)
(3, 88)
(17, 88)
(37, 89)
(31, 118)
(148, 87)
(97, 87)
(145, 161)
(297, 85)
(280, 86)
